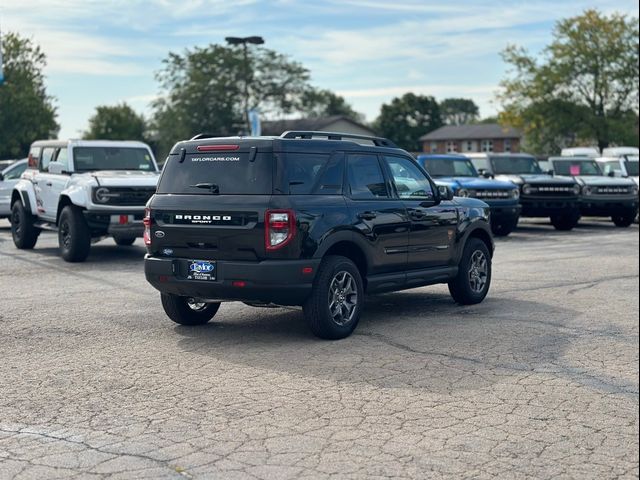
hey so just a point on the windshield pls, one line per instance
(632, 167)
(576, 167)
(512, 165)
(89, 159)
(445, 167)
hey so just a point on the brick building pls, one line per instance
(489, 137)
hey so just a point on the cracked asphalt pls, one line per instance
(539, 381)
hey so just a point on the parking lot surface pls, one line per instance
(539, 381)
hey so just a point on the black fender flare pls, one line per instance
(348, 236)
(24, 198)
(476, 228)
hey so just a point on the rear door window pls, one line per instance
(310, 174)
(47, 155)
(366, 180)
(224, 173)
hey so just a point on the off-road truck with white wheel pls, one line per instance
(85, 190)
(313, 219)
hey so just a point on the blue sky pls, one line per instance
(369, 51)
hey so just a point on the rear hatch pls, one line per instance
(211, 200)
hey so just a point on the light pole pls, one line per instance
(245, 41)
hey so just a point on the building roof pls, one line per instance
(471, 132)
(277, 127)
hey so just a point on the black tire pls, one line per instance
(623, 220)
(502, 228)
(188, 311)
(124, 241)
(565, 222)
(24, 233)
(74, 237)
(346, 292)
(465, 287)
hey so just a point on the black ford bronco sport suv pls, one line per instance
(314, 219)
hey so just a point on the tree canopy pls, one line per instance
(583, 88)
(27, 113)
(407, 118)
(118, 122)
(459, 111)
(324, 103)
(202, 90)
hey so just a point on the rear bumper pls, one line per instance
(605, 207)
(545, 207)
(122, 223)
(271, 281)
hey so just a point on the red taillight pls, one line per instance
(217, 148)
(239, 283)
(147, 221)
(279, 228)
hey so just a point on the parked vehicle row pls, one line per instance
(562, 188)
(314, 219)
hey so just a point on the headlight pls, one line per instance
(515, 193)
(526, 189)
(462, 193)
(587, 190)
(577, 189)
(634, 190)
(102, 195)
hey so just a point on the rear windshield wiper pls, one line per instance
(212, 187)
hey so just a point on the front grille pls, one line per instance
(488, 194)
(553, 190)
(123, 196)
(613, 190)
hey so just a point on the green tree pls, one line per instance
(583, 88)
(202, 90)
(26, 111)
(119, 122)
(408, 118)
(324, 103)
(459, 111)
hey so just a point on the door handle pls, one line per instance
(417, 215)
(49, 184)
(367, 216)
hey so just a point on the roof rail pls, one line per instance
(377, 141)
(200, 136)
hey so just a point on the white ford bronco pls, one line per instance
(85, 190)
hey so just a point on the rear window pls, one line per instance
(310, 174)
(228, 173)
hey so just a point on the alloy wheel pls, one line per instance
(196, 304)
(478, 271)
(343, 298)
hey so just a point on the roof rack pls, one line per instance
(307, 135)
(200, 136)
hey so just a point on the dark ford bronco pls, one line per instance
(309, 218)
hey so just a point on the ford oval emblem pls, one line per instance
(159, 234)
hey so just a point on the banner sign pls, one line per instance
(254, 120)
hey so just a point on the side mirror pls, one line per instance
(445, 192)
(611, 173)
(550, 172)
(55, 168)
(484, 173)
(1, 177)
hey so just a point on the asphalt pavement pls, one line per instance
(539, 381)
